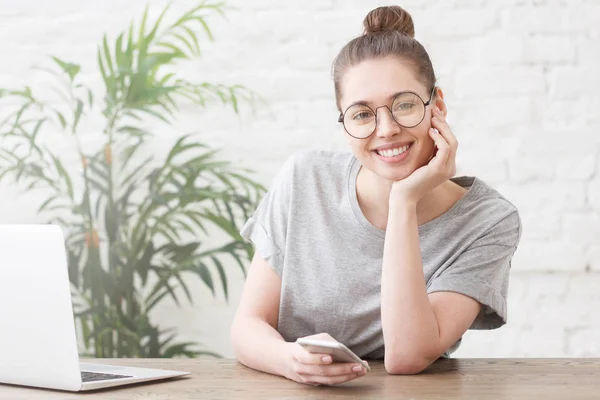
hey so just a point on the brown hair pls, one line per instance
(389, 31)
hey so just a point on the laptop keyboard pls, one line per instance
(87, 376)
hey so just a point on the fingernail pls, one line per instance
(438, 110)
(433, 130)
(357, 368)
(326, 359)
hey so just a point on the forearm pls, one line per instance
(410, 328)
(258, 345)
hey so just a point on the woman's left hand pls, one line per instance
(439, 169)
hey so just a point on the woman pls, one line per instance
(381, 249)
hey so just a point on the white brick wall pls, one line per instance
(522, 82)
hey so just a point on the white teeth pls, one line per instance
(392, 152)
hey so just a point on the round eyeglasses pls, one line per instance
(408, 110)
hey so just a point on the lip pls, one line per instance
(394, 159)
(393, 146)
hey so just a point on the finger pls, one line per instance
(336, 369)
(333, 380)
(439, 122)
(444, 160)
(445, 131)
(443, 152)
(304, 357)
(441, 125)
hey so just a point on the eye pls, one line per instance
(362, 115)
(406, 106)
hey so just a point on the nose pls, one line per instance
(387, 126)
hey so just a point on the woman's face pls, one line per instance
(392, 152)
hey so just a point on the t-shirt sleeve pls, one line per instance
(482, 271)
(267, 227)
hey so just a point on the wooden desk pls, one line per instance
(477, 379)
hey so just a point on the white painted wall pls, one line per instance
(522, 83)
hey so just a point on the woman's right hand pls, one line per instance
(319, 369)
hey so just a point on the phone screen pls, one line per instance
(338, 351)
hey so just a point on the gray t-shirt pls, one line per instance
(310, 229)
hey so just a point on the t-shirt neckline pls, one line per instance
(472, 184)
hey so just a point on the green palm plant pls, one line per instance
(136, 228)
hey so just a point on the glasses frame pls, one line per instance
(425, 104)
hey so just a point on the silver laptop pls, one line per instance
(38, 345)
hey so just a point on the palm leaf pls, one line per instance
(63, 173)
(222, 276)
(107, 56)
(204, 273)
(78, 112)
(69, 68)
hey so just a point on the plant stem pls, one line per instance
(93, 260)
(112, 228)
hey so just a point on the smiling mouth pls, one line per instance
(394, 152)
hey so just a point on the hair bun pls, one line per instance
(389, 18)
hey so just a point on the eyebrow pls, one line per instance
(390, 97)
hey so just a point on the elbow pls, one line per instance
(406, 365)
(409, 360)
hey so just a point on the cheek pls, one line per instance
(420, 130)
(357, 145)
(424, 149)
(421, 134)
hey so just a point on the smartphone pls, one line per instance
(337, 351)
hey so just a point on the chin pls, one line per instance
(390, 173)
(393, 175)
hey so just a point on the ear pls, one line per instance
(439, 102)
